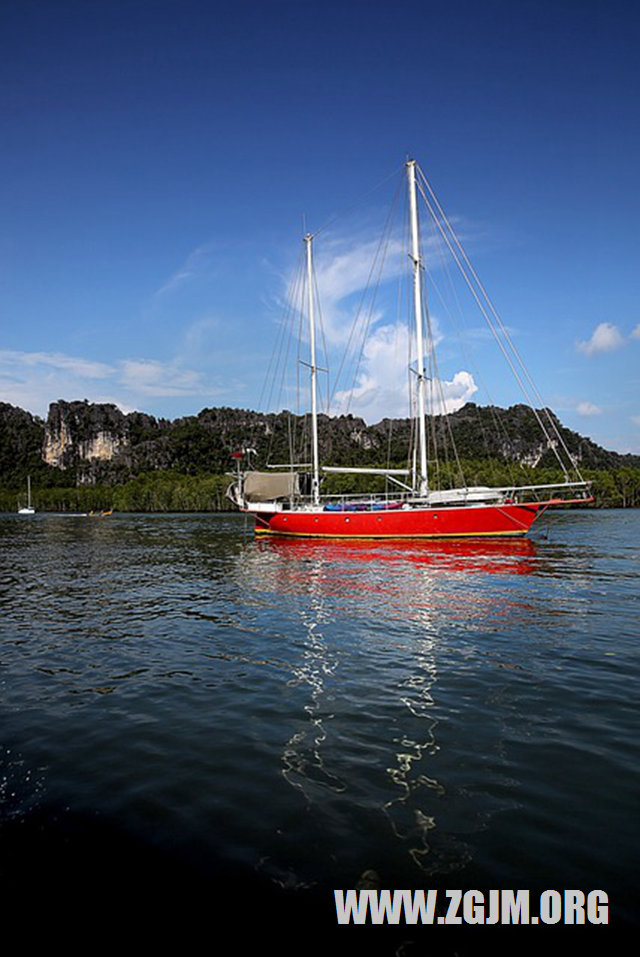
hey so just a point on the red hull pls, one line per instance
(452, 522)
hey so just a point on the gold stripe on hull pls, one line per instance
(507, 534)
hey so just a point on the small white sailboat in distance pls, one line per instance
(27, 509)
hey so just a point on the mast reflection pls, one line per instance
(370, 624)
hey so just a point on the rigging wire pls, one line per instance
(480, 291)
(377, 267)
(325, 352)
(278, 362)
(476, 295)
(456, 318)
(358, 204)
(365, 318)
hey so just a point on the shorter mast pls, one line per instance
(423, 484)
(315, 487)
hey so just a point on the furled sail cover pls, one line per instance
(267, 486)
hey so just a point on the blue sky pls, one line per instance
(159, 160)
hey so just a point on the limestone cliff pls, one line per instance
(81, 435)
(84, 443)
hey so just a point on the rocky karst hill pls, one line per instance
(85, 444)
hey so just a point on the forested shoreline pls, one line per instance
(170, 491)
(89, 457)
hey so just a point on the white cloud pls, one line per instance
(201, 334)
(458, 391)
(197, 264)
(636, 332)
(379, 352)
(32, 380)
(381, 387)
(341, 272)
(345, 267)
(152, 378)
(74, 366)
(381, 390)
(588, 408)
(635, 419)
(605, 338)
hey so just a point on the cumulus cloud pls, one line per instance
(636, 332)
(588, 408)
(379, 351)
(605, 338)
(381, 388)
(457, 392)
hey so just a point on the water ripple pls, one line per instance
(313, 711)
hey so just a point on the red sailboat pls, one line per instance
(288, 500)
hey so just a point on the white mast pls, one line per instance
(315, 488)
(417, 304)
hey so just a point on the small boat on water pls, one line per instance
(27, 509)
(288, 502)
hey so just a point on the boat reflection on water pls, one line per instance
(374, 626)
(488, 556)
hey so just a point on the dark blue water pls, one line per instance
(194, 724)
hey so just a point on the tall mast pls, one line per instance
(417, 307)
(315, 488)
